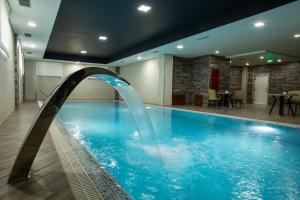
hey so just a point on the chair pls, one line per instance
(212, 97)
(295, 100)
(238, 96)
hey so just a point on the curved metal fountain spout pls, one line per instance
(39, 128)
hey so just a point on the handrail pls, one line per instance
(52, 105)
(43, 93)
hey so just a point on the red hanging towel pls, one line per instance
(214, 79)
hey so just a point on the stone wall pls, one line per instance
(181, 75)
(283, 77)
(235, 78)
(192, 76)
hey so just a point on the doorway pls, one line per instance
(261, 88)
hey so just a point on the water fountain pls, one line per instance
(52, 105)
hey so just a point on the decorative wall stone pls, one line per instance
(192, 76)
(235, 82)
(283, 78)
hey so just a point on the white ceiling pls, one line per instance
(240, 37)
(43, 13)
(236, 38)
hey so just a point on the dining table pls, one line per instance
(226, 98)
(281, 97)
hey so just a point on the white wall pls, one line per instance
(87, 89)
(7, 86)
(152, 79)
(144, 77)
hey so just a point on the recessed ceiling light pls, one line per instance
(144, 8)
(31, 24)
(139, 58)
(279, 60)
(259, 24)
(247, 64)
(179, 47)
(83, 51)
(261, 57)
(217, 52)
(297, 36)
(32, 46)
(102, 37)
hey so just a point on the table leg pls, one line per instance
(224, 100)
(281, 105)
(230, 97)
(290, 106)
(274, 102)
(221, 101)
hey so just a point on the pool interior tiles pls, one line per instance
(209, 125)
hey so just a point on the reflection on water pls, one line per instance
(201, 156)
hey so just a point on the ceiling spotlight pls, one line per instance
(32, 46)
(297, 36)
(247, 64)
(31, 24)
(83, 51)
(144, 8)
(261, 57)
(259, 24)
(179, 47)
(217, 52)
(102, 37)
(279, 60)
(139, 58)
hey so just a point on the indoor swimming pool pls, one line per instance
(198, 156)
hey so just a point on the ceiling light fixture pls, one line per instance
(297, 36)
(269, 60)
(279, 60)
(179, 47)
(32, 46)
(83, 51)
(259, 24)
(102, 37)
(217, 52)
(247, 64)
(31, 24)
(139, 58)
(144, 8)
(261, 57)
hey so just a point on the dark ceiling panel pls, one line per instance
(79, 23)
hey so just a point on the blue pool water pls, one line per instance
(201, 156)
